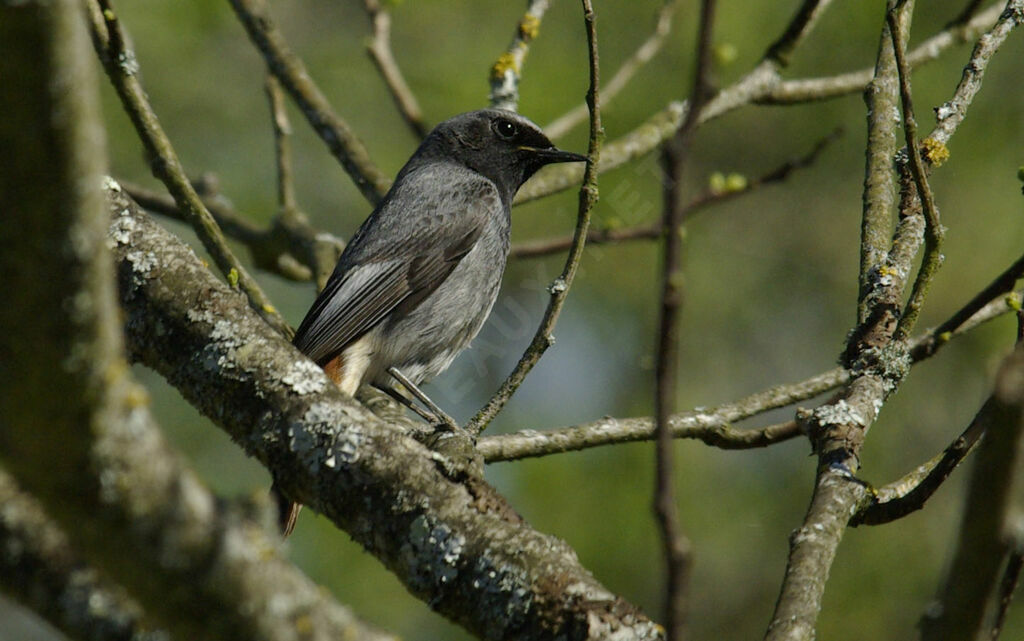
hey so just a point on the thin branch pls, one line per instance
(806, 16)
(647, 50)
(974, 573)
(234, 224)
(559, 289)
(289, 69)
(541, 247)
(663, 125)
(763, 85)
(286, 201)
(837, 430)
(879, 194)
(1002, 284)
(714, 426)
(814, 89)
(123, 70)
(379, 50)
(933, 234)
(291, 244)
(1007, 586)
(652, 231)
(909, 494)
(951, 113)
(507, 69)
(676, 547)
(294, 250)
(967, 13)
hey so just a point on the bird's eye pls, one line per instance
(505, 129)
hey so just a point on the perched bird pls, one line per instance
(418, 279)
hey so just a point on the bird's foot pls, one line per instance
(433, 414)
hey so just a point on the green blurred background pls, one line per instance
(770, 284)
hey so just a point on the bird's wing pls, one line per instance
(367, 288)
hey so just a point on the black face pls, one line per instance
(501, 145)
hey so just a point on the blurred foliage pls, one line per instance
(770, 283)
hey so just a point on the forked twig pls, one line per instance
(123, 70)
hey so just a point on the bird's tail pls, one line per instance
(287, 511)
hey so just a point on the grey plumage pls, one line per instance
(419, 277)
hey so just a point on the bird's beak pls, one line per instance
(553, 155)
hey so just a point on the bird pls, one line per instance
(416, 282)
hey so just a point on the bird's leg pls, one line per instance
(405, 401)
(439, 416)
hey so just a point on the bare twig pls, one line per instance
(291, 244)
(507, 69)
(1007, 586)
(714, 426)
(651, 231)
(379, 50)
(647, 50)
(703, 426)
(967, 13)
(122, 69)
(286, 200)
(289, 69)
(1002, 284)
(951, 113)
(235, 224)
(909, 494)
(974, 573)
(676, 547)
(933, 234)
(294, 250)
(763, 85)
(558, 289)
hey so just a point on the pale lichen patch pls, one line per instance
(304, 377)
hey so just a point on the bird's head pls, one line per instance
(501, 145)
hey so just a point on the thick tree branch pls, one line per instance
(77, 432)
(837, 430)
(879, 195)
(447, 535)
(39, 569)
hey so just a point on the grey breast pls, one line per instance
(423, 341)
